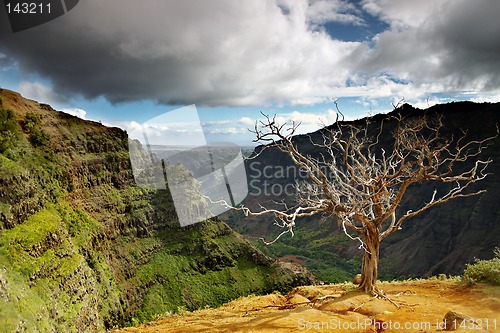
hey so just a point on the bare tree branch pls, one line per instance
(360, 174)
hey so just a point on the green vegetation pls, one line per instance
(32, 125)
(45, 272)
(13, 146)
(206, 266)
(56, 268)
(315, 245)
(484, 271)
(43, 173)
(9, 132)
(9, 168)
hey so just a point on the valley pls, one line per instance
(84, 249)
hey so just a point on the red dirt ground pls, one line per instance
(423, 305)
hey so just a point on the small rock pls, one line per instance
(452, 320)
(357, 279)
(296, 299)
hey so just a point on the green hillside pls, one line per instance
(82, 249)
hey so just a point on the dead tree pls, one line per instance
(361, 181)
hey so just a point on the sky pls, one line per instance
(125, 62)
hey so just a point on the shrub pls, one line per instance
(9, 134)
(485, 271)
(31, 124)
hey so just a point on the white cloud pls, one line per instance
(80, 113)
(215, 123)
(172, 134)
(321, 11)
(430, 101)
(41, 93)
(308, 122)
(303, 118)
(228, 130)
(402, 14)
(246, 121)
(489, 98)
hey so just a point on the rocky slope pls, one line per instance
(441, 240)
(82, 249)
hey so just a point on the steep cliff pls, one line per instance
(82, 249)
(442, 240)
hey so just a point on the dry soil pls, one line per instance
(422, 307)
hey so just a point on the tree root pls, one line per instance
(376, 293)
(381, 295)
(322, 298)
(358, 307)
(311, 302)
(406, 292)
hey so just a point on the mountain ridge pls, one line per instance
(440, 241)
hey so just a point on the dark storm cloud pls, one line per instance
(5, 61)
(178, 52)
(454, 43)
(225, 53)
(86, 53)
(471, 35)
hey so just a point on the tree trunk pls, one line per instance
(369, 268)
